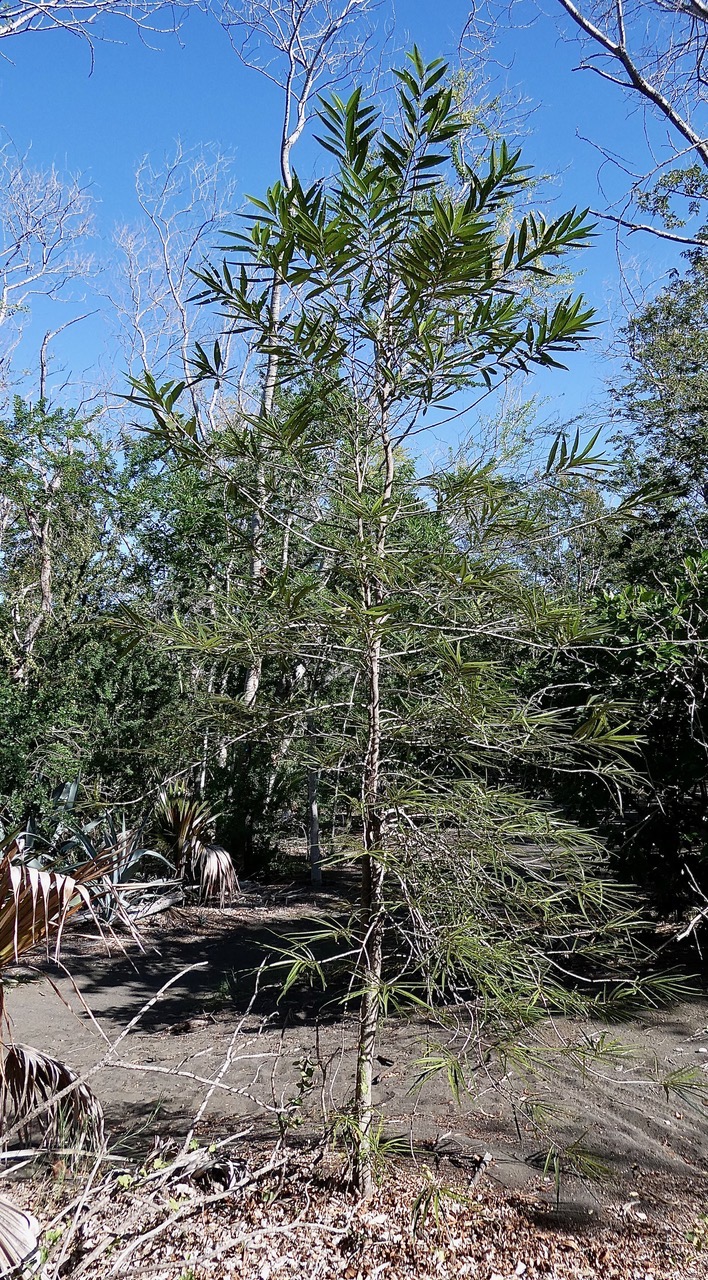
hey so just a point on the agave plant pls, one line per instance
(188, 824)
(131, 900)
(107, 837)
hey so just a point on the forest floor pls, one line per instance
(647, 1216)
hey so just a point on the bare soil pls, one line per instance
(206, 1026)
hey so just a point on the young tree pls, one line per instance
(313, 46)
(302, 48)
(401, 296)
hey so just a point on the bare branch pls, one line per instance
(186, 204)
(665, 70)
(46, 221)
(81, 16)
(309, 46)
(655, 231)
(48, 338)
(655, 53)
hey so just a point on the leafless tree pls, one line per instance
(654, 52)
(80, 17)
(186, 204)
(45, 224)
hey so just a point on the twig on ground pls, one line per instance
(185, 1211)
(151, 1068)
(74, 1224)
(228, 1060)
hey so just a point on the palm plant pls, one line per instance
(36, 902)
(19, 1233)
(188, 824)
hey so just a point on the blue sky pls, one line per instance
(139, 99)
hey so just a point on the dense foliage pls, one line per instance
(88, 530)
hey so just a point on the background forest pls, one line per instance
(102, 521)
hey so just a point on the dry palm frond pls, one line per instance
(30, 1079)
(217, 878)
(189, 824)
(19, 1235)
(35, 904)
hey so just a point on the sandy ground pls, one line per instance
(157, 1079)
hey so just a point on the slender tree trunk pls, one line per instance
(372, 926)
(253, 674)
(42, 533)
(204, 764)
(313, 828)
(372, 873)
(270, 383)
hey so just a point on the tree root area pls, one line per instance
(297, 1223)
